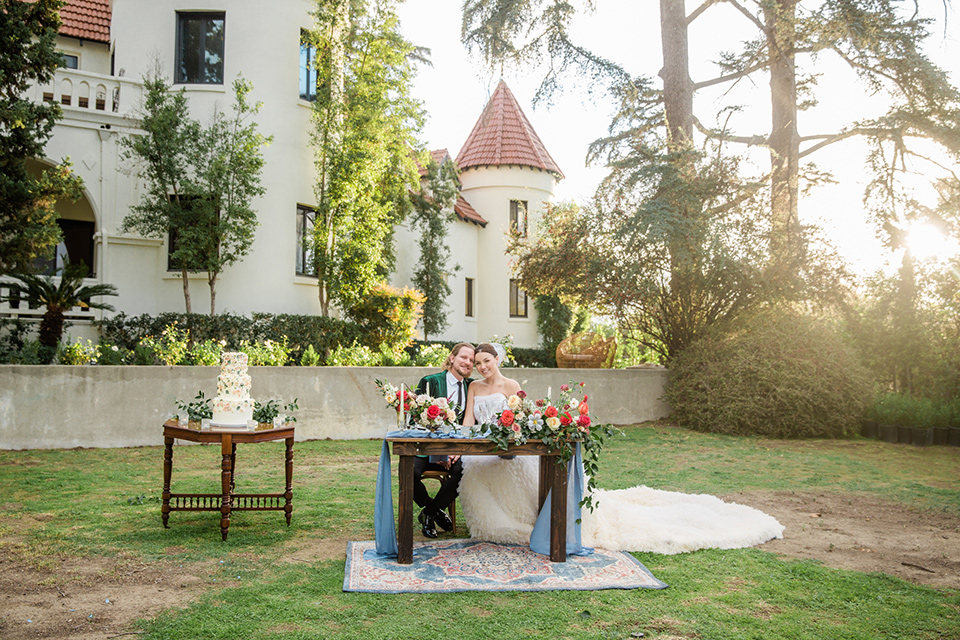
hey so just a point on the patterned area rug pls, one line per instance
(473, 565)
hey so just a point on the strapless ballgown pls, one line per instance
(498, 499)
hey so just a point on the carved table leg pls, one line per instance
(405, 508)
(167, 473)
(233, 466)
(226, 482)
(288, 492)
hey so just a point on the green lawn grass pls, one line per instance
(106, 502)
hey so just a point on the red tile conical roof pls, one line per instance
(504, 136)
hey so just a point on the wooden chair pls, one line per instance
(441, 477)
(586, 350)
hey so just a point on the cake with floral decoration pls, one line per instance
(233, 406)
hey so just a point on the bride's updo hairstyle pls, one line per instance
(495, 350)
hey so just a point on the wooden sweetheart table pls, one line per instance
(553, 476)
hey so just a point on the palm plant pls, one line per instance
(57, 298)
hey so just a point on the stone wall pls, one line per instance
(60, 407)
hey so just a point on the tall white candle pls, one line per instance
(403, 422)
(548, 392)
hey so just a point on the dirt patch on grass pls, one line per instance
(88, 598)
(93, 598)
(863, 534)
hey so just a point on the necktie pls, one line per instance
(460, 394)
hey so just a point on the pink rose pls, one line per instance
(522, 393)
(433, 412)
(583, 421)
(564, 387)
(506, 418)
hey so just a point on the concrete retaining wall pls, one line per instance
(60, 407)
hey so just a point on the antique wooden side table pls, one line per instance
(226, 501)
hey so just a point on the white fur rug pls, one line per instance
(498, 499)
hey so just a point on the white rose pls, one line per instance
(553, 423)
(423, 399)
(442, 403)
(514, 402)
(573, 403)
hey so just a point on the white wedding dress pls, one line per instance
(498, 499)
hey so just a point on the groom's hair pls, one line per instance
(453, 354)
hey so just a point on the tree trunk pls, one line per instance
(212, 281)
(686, 248)
(51, 328)
(786, 242)
(677, 86)
(331, 137)
(186, 289)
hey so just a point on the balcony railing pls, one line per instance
(91, 92)
(20, 309)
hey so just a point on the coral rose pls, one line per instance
(550, 412)
(506, 418)
(583, 408)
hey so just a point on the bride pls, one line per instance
(498, 495)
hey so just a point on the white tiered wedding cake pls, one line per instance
(233, 406)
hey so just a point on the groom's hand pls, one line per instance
(446, 464)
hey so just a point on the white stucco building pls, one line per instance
(110, 45)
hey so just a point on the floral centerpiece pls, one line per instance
(560, 423)
(420, 410)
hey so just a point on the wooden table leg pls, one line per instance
(226, 481)
(167, 473)
(288, 492)
(405, 524)
(558, 511)
(546, 478)
(233, 466)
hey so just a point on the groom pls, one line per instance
(451, 383)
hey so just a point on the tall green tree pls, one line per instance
(365, 121)
(431, 218)
(201, 180)
(28, 218)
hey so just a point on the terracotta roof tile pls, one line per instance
(440, 155)
(467, 213)
(504, 136)
(87, 19)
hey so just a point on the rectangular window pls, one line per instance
(468, 303)
(306, 218)
(308, 70)
(518, 300)
(70, 61)
(200, 39)
(518, 216)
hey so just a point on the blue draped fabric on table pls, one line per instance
(384, 525)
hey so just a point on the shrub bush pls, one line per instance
(781, 375)
(301, 331)
(77, 353)
(389, 316)
(906, 411)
